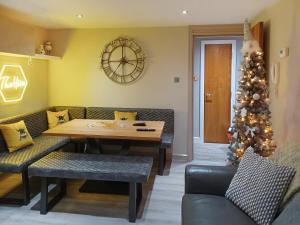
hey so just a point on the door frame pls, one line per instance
(202, 80)
(197, 31)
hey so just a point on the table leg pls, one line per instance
(162, 160)
(92, 146)
(132, 202)
(125, 148)
(139, 194)
(44, 195)
(26, 187)
(135, 197)
(45, 204)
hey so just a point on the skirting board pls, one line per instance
(180, 157)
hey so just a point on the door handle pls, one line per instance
(208, 97)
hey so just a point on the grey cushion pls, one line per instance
(75, 112)
(201, 209)
(259, 186)
(20, 159)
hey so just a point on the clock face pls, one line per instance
(123, 60)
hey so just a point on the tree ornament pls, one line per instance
(268, 101)
(243, 112)
(256, 96)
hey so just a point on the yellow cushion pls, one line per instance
(56, 118)
(125, 115)
(16, 135)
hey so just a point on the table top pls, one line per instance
(108, 129)
(93, 167)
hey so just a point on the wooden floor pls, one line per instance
(161, 202)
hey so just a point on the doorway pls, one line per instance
(216, 65)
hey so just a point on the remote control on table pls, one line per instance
(142, 124)
(145, 129)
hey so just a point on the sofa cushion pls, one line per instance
(75, 112)
(16, 135)
(18, 160)
(36, 123)
(201, 209)
(258, 186)
(120, 115)
(57, 118)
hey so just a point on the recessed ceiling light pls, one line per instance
(79, 16)
(184, 12)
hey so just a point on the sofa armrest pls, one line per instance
(213, 180)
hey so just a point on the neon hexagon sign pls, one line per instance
(13, 83)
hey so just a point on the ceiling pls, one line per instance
(130, 13)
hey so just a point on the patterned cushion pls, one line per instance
(57, 118)
(125, 115)
(16, 135)
(259, 186)
(36, 123)
(18, 160)
(74, 111)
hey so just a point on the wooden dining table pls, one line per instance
(109, 129)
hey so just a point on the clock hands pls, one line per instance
(123, 61)
(117, 68)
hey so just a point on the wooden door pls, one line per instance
(217, 92)
(258, 33)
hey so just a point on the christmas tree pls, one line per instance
(251, 123)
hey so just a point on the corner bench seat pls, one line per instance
(19, 160)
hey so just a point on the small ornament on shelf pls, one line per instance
(41, 50)
(48, 47)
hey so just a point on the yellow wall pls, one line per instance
(36, 95)
(78, 80)
(21, 38)
(282, 22)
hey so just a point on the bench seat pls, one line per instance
(19, 160)
(167, 140)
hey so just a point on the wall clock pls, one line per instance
(123, 60)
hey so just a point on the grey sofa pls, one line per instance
(204, 202)
(18, 161)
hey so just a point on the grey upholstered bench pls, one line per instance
(63, 165)
(18, 161)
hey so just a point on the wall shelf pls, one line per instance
(35, 56)
(46, 57)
